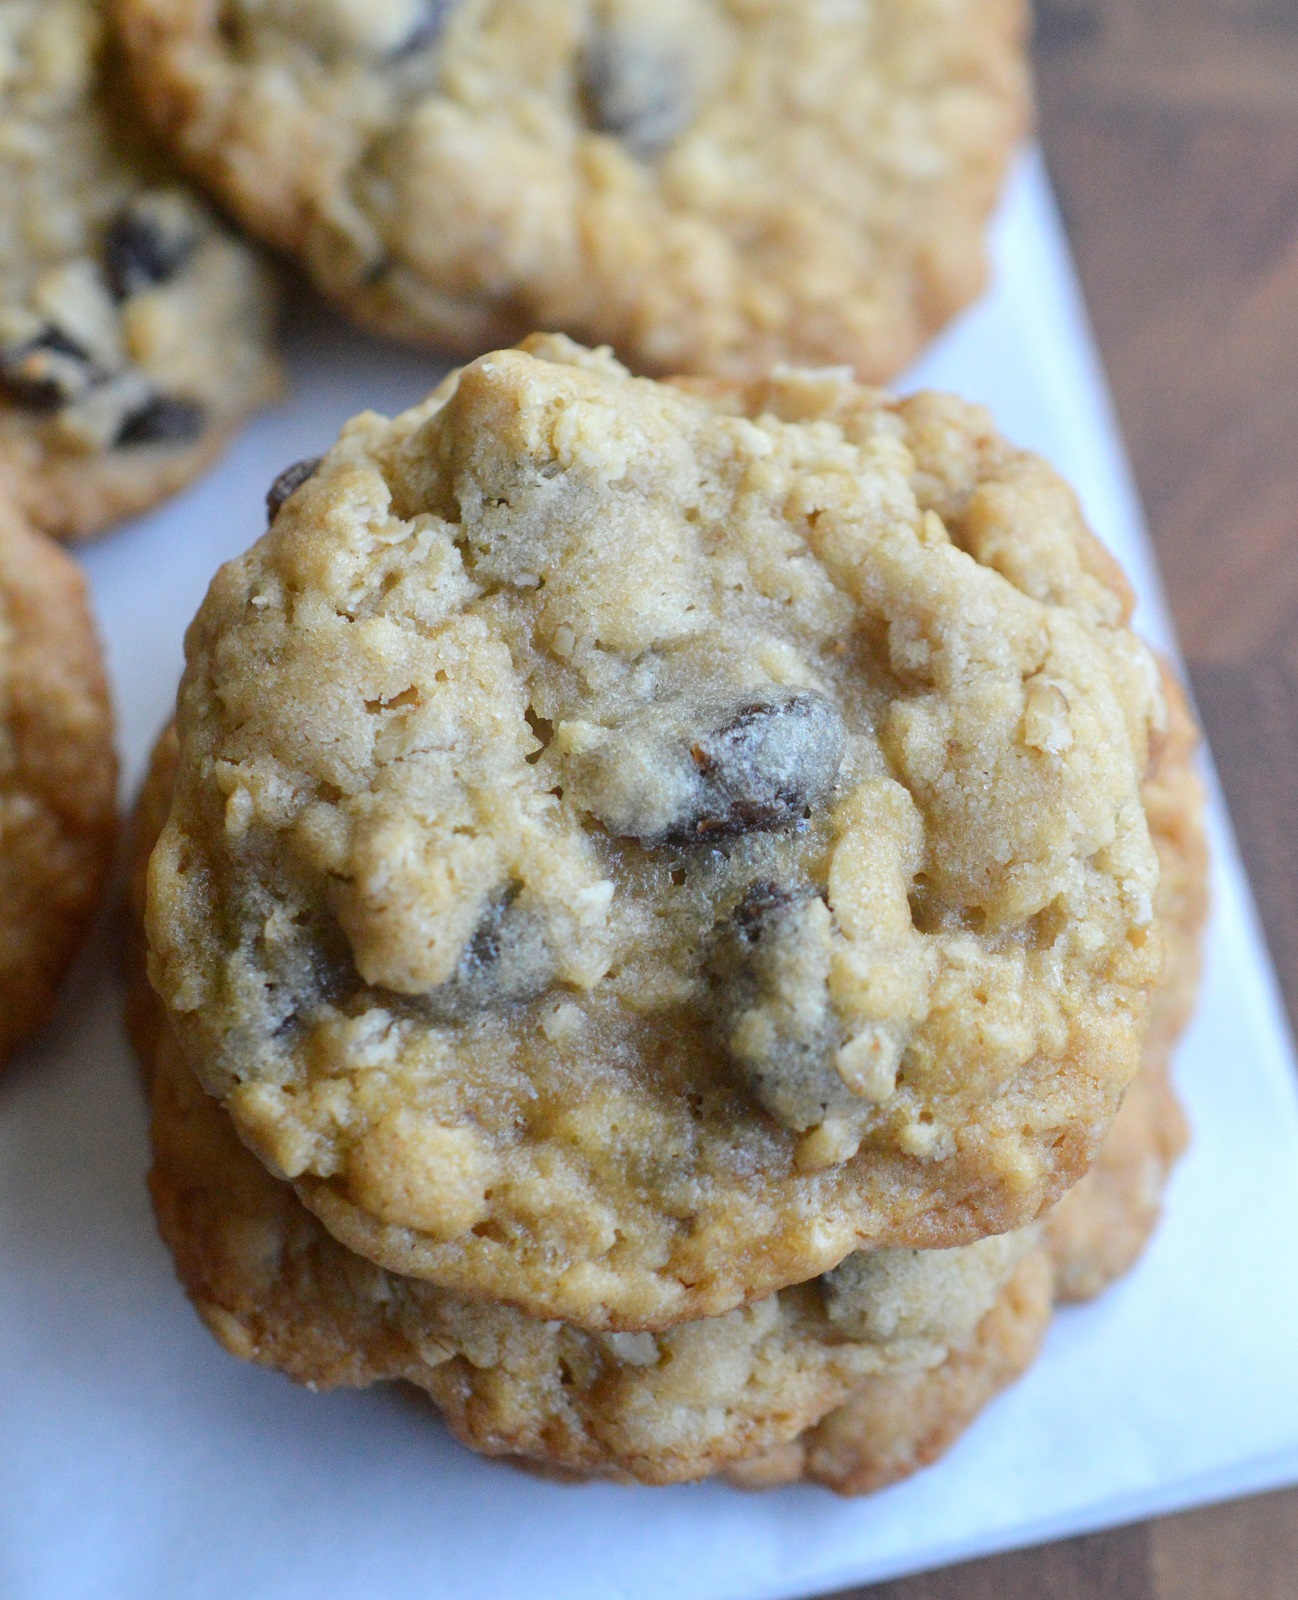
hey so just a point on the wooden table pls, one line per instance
(1171, 127)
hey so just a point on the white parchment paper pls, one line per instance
(139, 1461)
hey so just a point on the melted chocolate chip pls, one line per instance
(761, 905)
(47, 371)
(508, 959)
(325, 975)
(427, 31)
(165, 419)
(141, 251)
(633, 90)
(682, 771)
(773, 947)
(766, 766)
(291, 479)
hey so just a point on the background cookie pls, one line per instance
(57, 773)
(134, 331)
(708, 186)
(275, 1287)
(604, 808)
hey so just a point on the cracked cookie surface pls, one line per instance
(490, 747)
(57, 773)
(134, 330)
(707, 185)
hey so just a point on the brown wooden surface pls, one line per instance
(1171, 127)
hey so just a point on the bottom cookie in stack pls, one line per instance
(851, 1380)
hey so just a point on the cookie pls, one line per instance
(275, 1287)
(708, 186)
(58, 774)
(1100, 1228)
(134, 329)
(895, 1423)
(636, 844)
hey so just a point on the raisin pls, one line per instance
(165, 419)
(634, 91)
(291, 479)
(141, 251)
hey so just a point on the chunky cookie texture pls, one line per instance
(849, 944)
(895, 1424)
(275, 1287)
(708, 185)
(57, 774)
(134, 331)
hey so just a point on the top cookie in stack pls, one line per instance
(635, 844)
(707, 185)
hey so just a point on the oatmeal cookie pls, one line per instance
(57, 773)
(134, 330)
(707, 185)
(275, 1287)
(1100, 1228)
(635, 845)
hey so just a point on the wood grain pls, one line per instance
(1171, 128)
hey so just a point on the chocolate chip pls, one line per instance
(761, 905)
(632, 89)
(685, 772)
(143, 248)
(47, 371)
(291, 479)
(428, 29)
(767, 766)
(165, 419)
(767, 977)
(320, 972)
(507, 960)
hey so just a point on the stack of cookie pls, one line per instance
(663, 916)
(653, 897)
